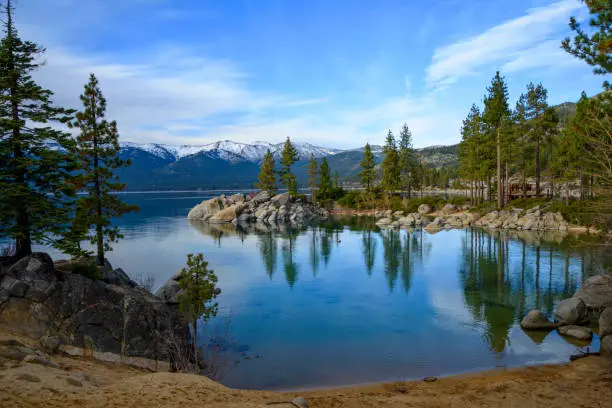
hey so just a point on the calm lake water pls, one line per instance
(347, 303)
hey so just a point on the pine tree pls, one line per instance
(390, 165)
(595, 47)
(468, 148)
(267, 177)
(521, 137)
(313, 174)
(496, 117)
(35, 159)
(336, 183)
(536, 107)
(197, 298)
(367, 174)
(407, 160)
(97, 149)
(289, 156)
(325, 180)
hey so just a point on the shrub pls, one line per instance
(350, 199)
(88, 269)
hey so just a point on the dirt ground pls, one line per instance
(79, 382)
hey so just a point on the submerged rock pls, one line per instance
(577, 332)
(536, 320)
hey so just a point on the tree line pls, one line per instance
(322, 184)
(43, 166)
(532, 140)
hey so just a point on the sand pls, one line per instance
(79, 382)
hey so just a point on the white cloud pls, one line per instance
(512, 42)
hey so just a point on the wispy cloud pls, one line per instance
(512, 43)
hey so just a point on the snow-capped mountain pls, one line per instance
(228, 150)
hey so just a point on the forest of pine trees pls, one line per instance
(42, 168)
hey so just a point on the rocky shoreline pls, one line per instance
(450, 217)
(263, 209)
(576, 317)
(108, 317)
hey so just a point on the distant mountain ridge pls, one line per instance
(229, 150)
(228, 164)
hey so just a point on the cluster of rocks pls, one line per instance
(241, 209)
(533, 219)
(111, 319)
(447, 219)
(451, 216)
(572, 317)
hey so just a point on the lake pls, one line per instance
(347, 303)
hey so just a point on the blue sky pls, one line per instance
(333, 73)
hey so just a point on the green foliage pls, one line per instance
(289, 156)
(267, 177)
(408, 161)
(199, 291)
(313, 174)
(34, 176)
(88, 269)
(594, 47)
(391, 165)
(368, 174)
(97, 151)
(527, 203)
(325, 181)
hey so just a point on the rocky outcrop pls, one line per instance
(239, 209)
(518, 219)
(110, 318)
(596, 292)
(424, 209)
(570, 311)
(605, 323)
(536, 320)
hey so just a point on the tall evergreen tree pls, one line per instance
(496, 117)
(35, 159)
(267, 177)
(407, 160)
(289, 156)
(313, 174)
(595, 47)
(468, 150)
(521, 137)
(336, 183)
(97, 149)
(325, 180)
(391, 165)
(536, 107)
(367, 175)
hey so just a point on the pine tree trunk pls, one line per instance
(537, 167)
(507, 183)
(98, 193)
(500, 192)
(23, 242)
(195, 341)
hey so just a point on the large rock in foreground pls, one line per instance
(536, 320)
(114, 322)
(262, 209)
(570, 311)
(596, 292)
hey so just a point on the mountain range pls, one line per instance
(226, 164)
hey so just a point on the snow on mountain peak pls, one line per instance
(229, 150)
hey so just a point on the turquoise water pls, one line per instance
(347, 303)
